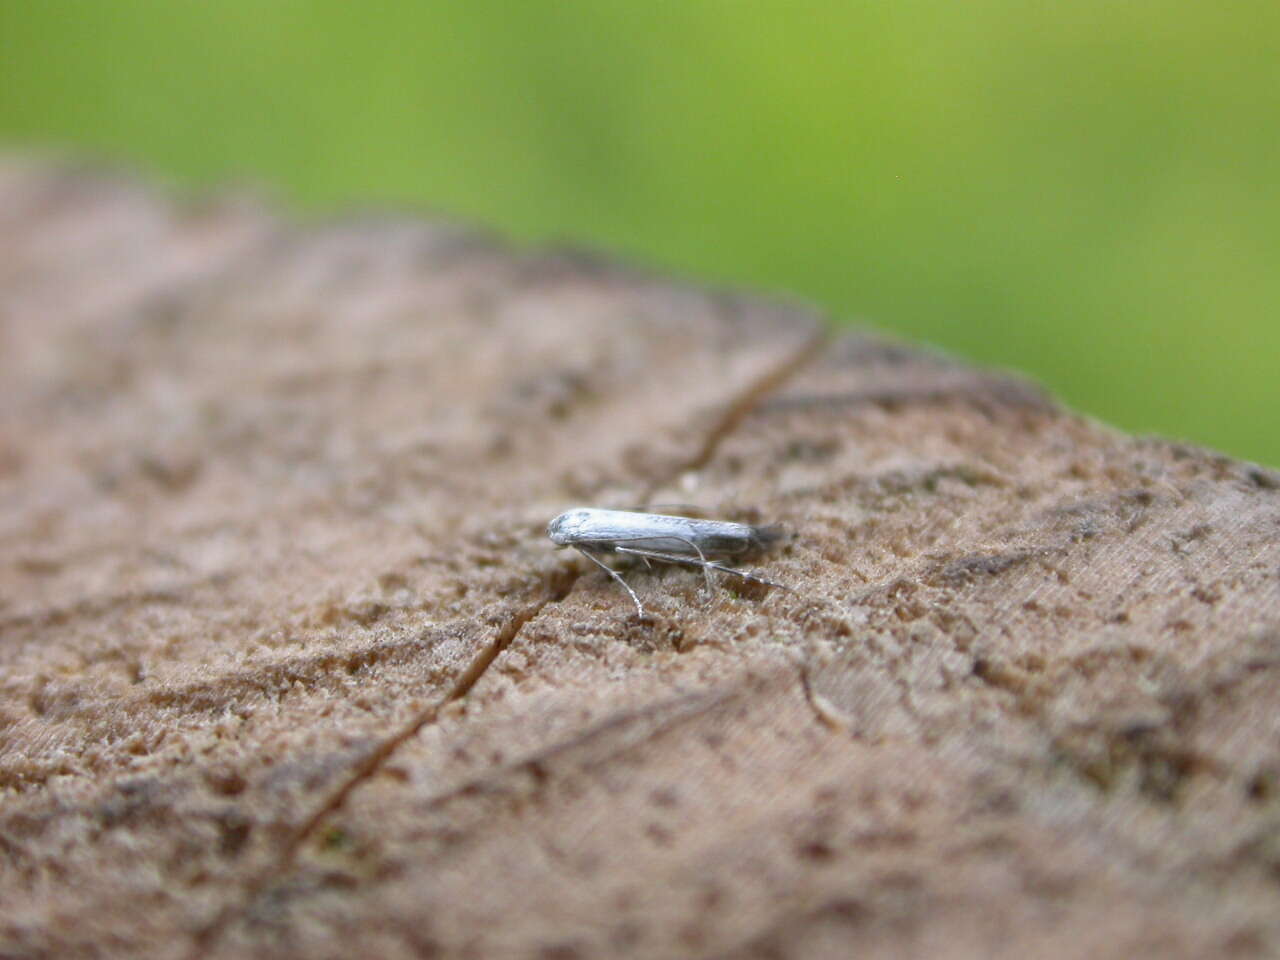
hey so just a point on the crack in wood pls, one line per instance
(558, 587)
(561, 583)
(743, 405)
(825, 712)
(634, 728)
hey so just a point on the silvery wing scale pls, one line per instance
(661, 537)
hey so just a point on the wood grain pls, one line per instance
(288, 667)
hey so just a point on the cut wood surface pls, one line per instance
(290, 669)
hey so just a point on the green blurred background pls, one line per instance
(1087, 191)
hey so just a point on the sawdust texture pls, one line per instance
(289, 669)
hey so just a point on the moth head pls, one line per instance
(567, 527)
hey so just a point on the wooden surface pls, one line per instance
(290, 669)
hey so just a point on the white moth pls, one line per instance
(666, 539)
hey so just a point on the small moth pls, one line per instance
(666, 539)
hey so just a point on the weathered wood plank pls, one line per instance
(288, 667)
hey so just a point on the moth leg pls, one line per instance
(613, 573)
(707, 566)
(702, 560)
(676, 558)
